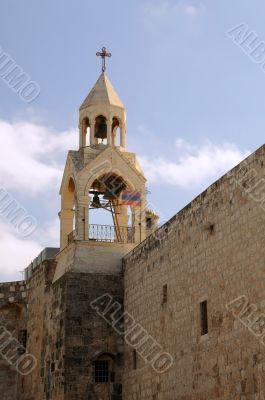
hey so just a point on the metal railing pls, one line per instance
(112, 234)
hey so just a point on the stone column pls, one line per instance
(123, 136)
(80, 135)
(92, 130)
(66, 226)
(82, 218)
(109, 136)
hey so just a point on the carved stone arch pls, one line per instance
(100, 354)
(68, 211)
(69, 193)
(99, 175)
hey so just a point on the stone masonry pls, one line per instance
(211, 250)
(187, 314)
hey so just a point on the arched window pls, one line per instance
(101, 129)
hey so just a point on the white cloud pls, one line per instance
(30, 155)
(16, 253)
(191, 10)
(165, 11)
(195, 166)
(32, 160)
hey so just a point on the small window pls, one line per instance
(102, 371)
(148, 223)
(134, 359)
(164, 294)
(204, 318)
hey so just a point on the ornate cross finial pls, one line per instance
(103, 55)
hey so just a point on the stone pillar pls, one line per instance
(123, 136)
(92, 131)
(109, 133)
(122, 219)
(139, 221)
(66, 222)
(80, 135)
(81, 218)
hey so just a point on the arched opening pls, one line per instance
(101, 129)
(71, 185)
(115, 129)
(108, 216)
(85, 132)
(67, 214)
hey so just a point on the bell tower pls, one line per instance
(102, 115)
(101, 178)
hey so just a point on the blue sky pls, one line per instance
(195, 101)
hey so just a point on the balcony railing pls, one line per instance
(112, 234)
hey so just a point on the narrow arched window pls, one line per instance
(101, 128)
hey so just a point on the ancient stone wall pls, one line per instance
(88, 337)
(212, 250)
(42, 312)
(67, 336)
(12, 321)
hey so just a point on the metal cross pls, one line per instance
(103, 55)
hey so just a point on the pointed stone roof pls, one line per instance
(102, 93)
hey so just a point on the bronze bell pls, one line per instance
(101, 128)
(96, 201)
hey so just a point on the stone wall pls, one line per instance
(12, 321)
(89, 337)
(41, 309)
(212, 250)
(67, 336)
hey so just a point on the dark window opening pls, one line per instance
(148, 223)
(204, 318)
(164, 294)
(102, 371)
(134, 359)
(101, 128)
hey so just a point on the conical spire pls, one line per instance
(102, 93)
